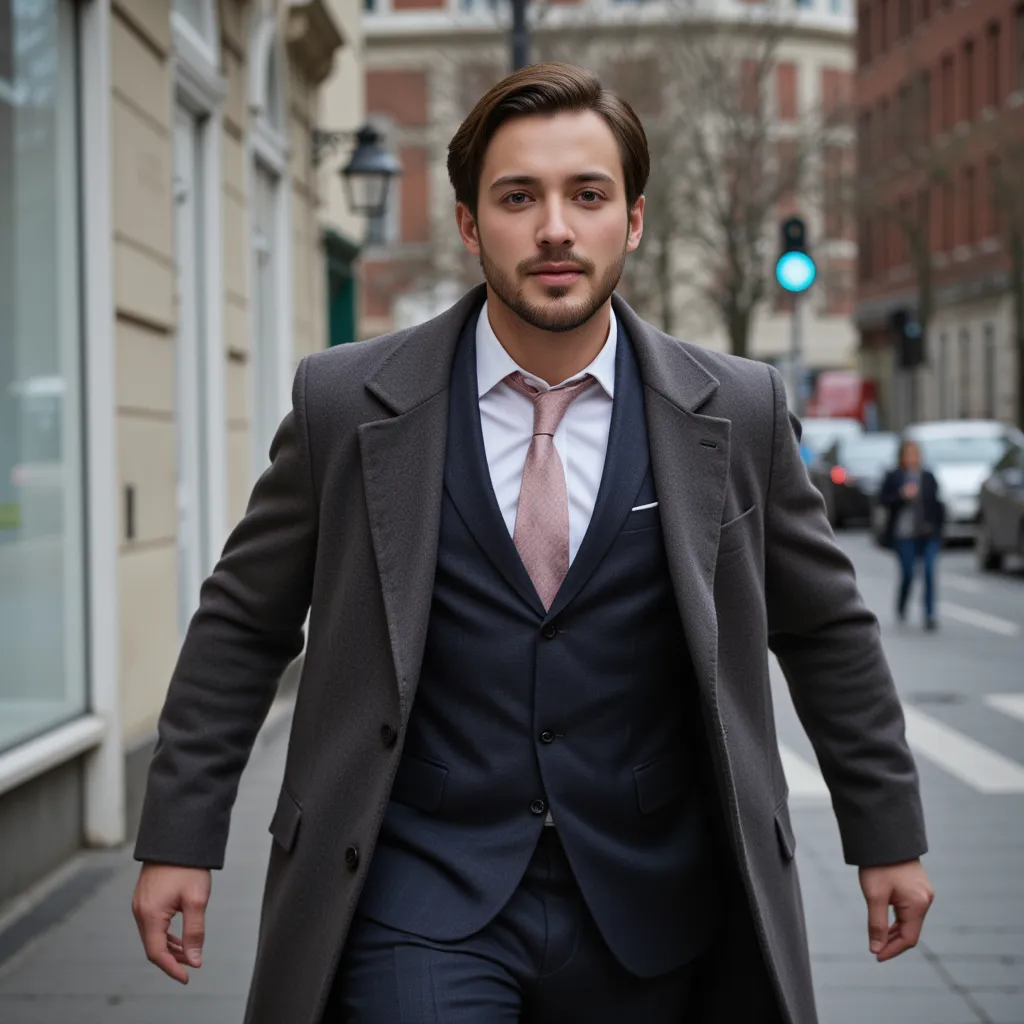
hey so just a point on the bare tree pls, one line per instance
(1006, 172)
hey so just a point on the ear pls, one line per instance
(468, 231)
(636, 225)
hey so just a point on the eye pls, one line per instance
(512, 199)
(589, 196)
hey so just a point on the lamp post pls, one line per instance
(520, 35)
(795, 271)
(368, 175)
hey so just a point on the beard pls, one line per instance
(557, 317)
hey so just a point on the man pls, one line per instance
(545, 549)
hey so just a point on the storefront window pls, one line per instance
(42, 634)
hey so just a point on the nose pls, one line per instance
(554, 231)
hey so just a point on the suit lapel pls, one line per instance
(624, 469)
(403, 456)
(690, 459)
(468, 478)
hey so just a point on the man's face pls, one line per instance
(552, 228)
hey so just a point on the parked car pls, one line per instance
(850, 472)
(961, 454)
(819, 433)
(1001, 524)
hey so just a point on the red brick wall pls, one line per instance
(398, 94)
(414, 209)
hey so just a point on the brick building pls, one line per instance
(940, 101)
(428, 61)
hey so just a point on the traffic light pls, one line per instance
(909, 338)
(794, 269)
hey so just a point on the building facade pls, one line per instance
(940, 100)
(162, 270)
(428, 61)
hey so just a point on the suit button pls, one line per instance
(547, 736)
(352, 858)
(550, 631)
(538, 807)
(388, 736)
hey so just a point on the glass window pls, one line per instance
(965, 373)
(42, 674)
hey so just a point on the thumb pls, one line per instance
(878, 921)
(193, 930)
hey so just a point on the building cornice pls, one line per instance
(312, 36)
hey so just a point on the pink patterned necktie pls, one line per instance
(541, 533)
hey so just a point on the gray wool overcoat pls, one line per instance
(344, 525)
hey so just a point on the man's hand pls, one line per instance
(161, 892)
(906, 889)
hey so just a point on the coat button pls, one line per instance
(547, 736)
(538, 807)
(389, 737)
(550, 631)
(352, 858)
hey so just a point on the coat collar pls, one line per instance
(420, 365)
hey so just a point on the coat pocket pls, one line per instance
(284, 826)
(659, 782)
(784, 830)
(734, 534)
(419, 783)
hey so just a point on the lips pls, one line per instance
(558, 274)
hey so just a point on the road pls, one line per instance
(72, 955)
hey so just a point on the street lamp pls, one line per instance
(368, 174)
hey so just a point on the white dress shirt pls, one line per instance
(581, 439)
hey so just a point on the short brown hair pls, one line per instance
(550, 88)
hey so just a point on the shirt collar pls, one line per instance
(494, 364)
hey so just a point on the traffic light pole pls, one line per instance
(520, 35)
(796, 352)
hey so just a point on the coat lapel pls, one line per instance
(403, 458)
(624, 469)
(690, 459)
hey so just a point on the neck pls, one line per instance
(553, 356)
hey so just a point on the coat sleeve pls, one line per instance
(829, 647)
(248, 627)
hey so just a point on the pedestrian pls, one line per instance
(914, 527)
(544, 549)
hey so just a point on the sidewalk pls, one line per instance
(88, 968)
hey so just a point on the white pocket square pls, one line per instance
(640, 508)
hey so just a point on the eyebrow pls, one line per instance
(529, 180)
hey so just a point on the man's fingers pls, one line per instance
(878, 922)
(193, 931)
(154, 940)
(896, 945)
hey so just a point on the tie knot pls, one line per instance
(549, 406)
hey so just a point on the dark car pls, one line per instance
(850, 472)
(1001, 521)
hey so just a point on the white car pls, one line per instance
(961, 454)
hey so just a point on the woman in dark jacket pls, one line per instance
(914, 529)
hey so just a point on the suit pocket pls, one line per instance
(734, 533)
(284, 826)
(784, 830)
(642, 519)
(659, 782)
(419, 783)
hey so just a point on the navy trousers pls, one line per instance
(541, 961)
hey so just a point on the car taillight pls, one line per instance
(838, 475)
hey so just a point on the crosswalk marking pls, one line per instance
(982, 620)
(961, 583)
(971, 762)
(804, 780)
(1008, 703)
